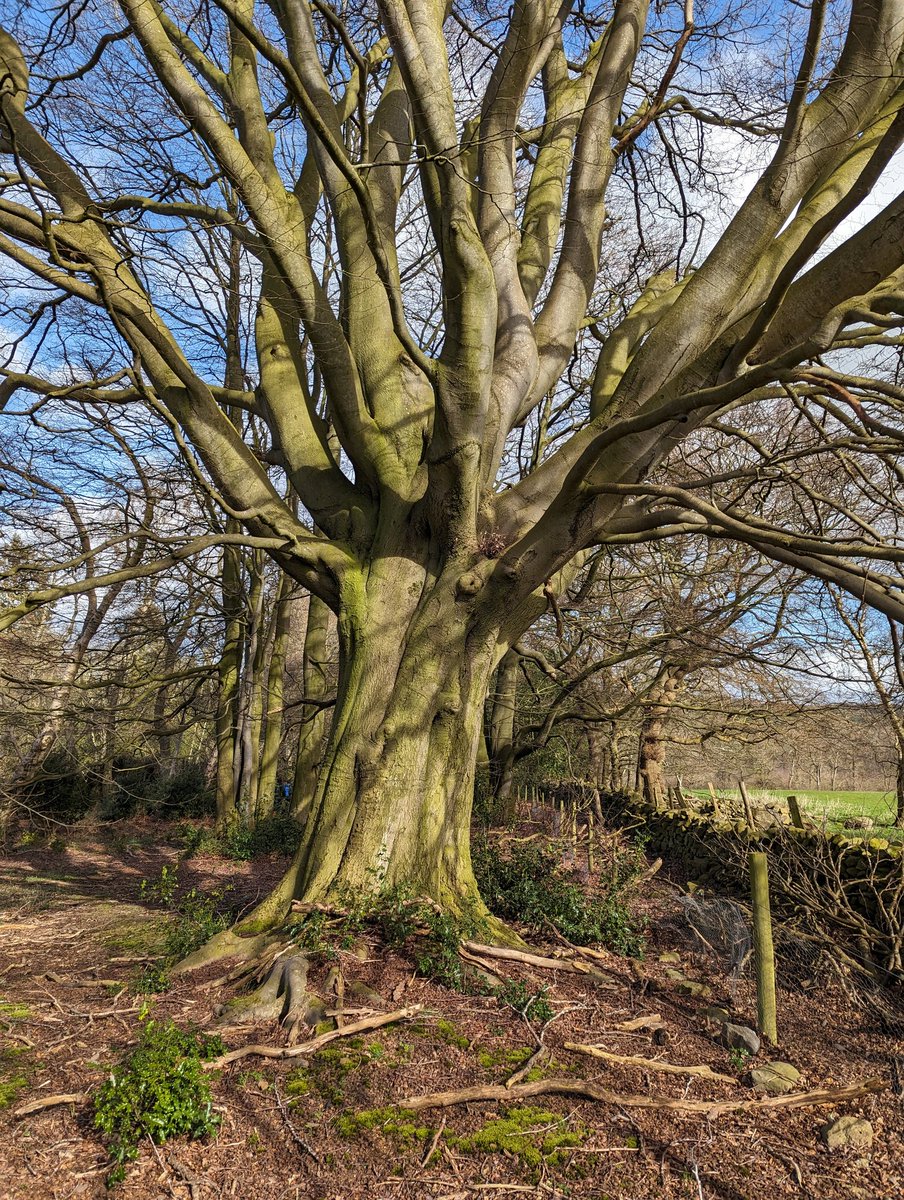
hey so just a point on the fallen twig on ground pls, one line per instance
(33, 1106)
(594, 1091)
(650, 1064)
(539, 1055)
(375, 1022)
(287, 1121)
(434, 1142)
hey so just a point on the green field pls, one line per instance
(835, 807)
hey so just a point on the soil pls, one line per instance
(75, 932)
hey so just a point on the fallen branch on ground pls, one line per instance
(311, 1047)
(650, 1064)
(593, 1091)
(649, 1021)
(528, 958)
(33, 1106)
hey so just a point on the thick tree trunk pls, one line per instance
(315, 717)
(899, 787)
(275, 688)
(395, 788)
(651, 764)
(228, 681)
(604, 756)
(501, 738)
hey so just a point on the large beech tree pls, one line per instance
(466, 230)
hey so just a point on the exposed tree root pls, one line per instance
(281, 997)
(227, 944)
(317, 1043)
(589, 1090)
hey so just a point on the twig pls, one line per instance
(434, 1142)
(375, 1022)
(190, 1181)
(650, 1064)
(33, 1106)
(788, 1162)
(593, 1091)
(535, 1059)
(295, 1135)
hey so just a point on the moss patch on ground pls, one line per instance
(14, 1076)
(396, 1123)
(330, 1068)
(504, 1057)
(532, 1135)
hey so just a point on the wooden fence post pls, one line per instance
(748, 807)
(764, 953)
(794, 808)
(717, 812)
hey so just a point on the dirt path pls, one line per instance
(73, 937)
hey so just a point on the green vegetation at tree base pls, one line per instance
(530, 886)
(197, 915)
(403, 920)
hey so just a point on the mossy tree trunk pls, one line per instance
(315, 714)
(651, 765)
(274, 693)
(501, 737)
(395, 787)
(418, 533)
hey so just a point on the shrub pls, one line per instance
(198, 915)
(530, 886)
(158, 1091)
(277, 833)
(180, 791)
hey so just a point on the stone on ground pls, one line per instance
(849, 1131)
(776, 1078)
(740, 1037)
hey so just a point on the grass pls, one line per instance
(836, 807)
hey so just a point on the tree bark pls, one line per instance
(395, 788)
(228, 681)
(275, 690)
(651, 764)
(501, 738)
(315, 716)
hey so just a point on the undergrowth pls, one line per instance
(532, 1006)
(403, 920)
(531, 887)
(278, 833)
(197, 917)
(159, 1091)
